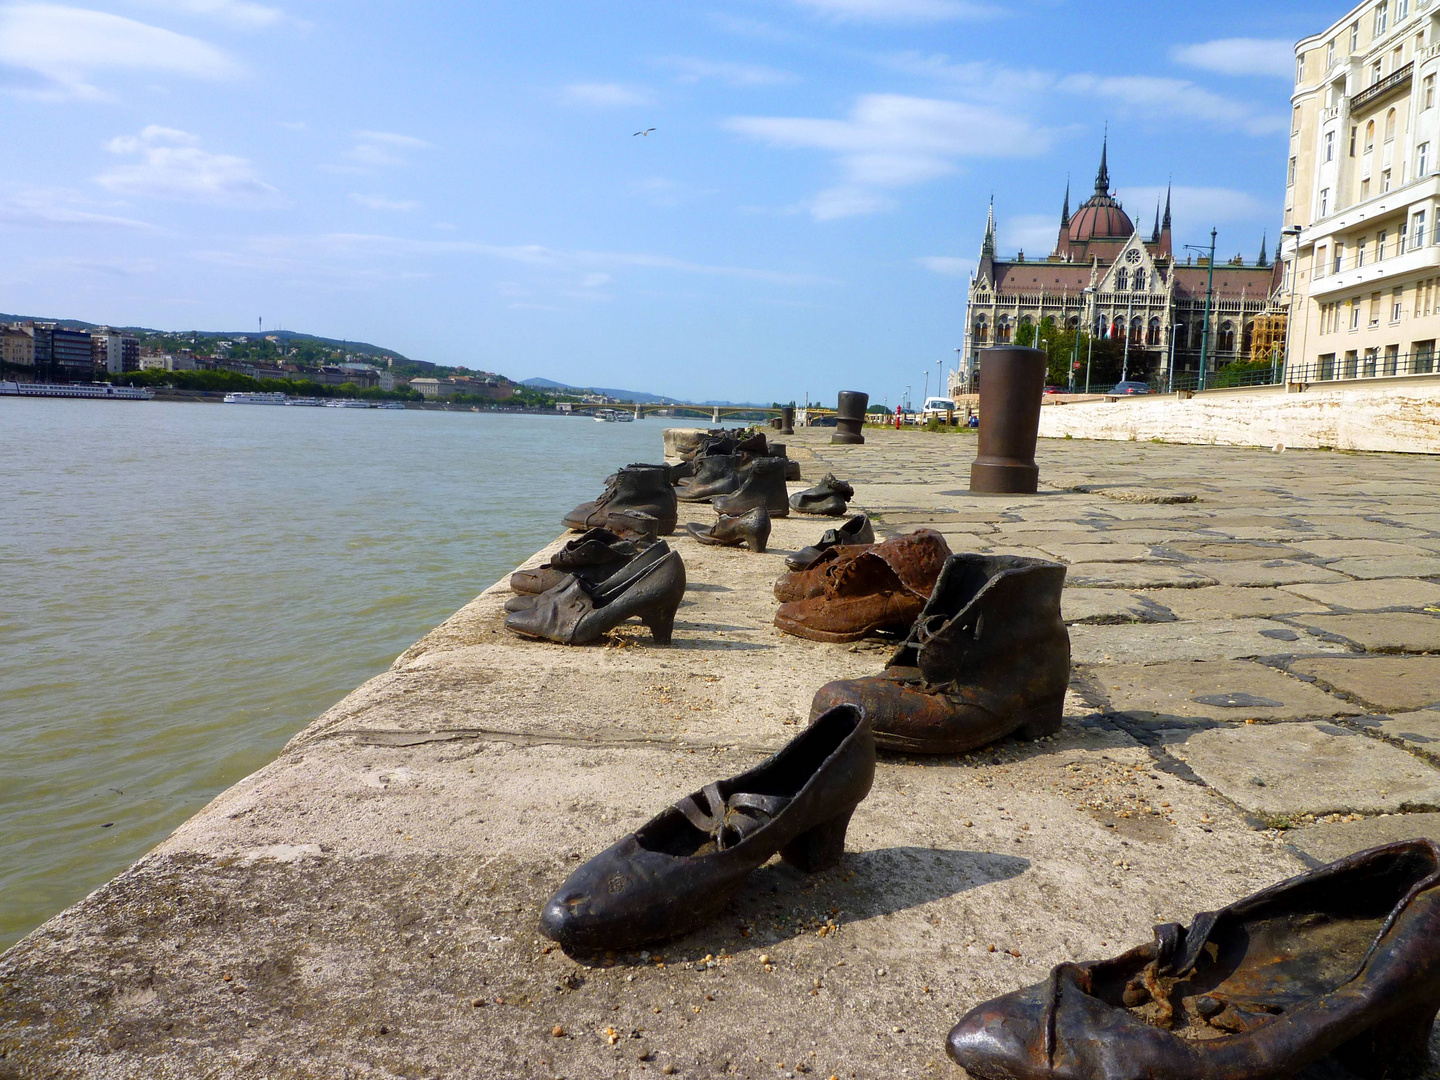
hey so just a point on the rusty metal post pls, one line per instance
(850, 418)
(787, 420)
(1010, 395)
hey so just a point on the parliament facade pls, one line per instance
(1108, 278)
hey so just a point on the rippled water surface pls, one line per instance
(186, 586)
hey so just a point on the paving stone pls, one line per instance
(1103, 606)
(1394, 631)
(1419, 731)
(1371, 595)
(1221, 639)
(1098, 553)
(1231, 602)
(1134, 576)
(1327, 843)
(1359, 528)
(1265, 573)
(1321, 768)
(1160, 693)
(1388, 683)
(1350, 549)
(1231, 550)
(1388, 566)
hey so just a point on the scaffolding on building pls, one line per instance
(1268, 341)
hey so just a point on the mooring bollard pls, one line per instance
(787, 420)
(850, 418)
(1012, 382)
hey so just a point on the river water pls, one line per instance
(186, 586)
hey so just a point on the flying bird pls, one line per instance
(646, 132)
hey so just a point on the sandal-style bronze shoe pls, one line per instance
(679, 870)
(1342, 961)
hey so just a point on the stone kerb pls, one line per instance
(1392, 419)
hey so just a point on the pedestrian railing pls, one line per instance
(1369, 364)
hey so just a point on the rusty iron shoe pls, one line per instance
(857, 530)
(762, 483)
(678, 871)
(593, 556)
(636, 488)
(751, 529)
(578, 614)
(803, 584)
(988, 657)
(826, 499)
(917, 557)
(596, 581)
(1342, 962)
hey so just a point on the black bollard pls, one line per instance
(1012, 383)
(787, 420)
(850, 418)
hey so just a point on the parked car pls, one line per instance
(1053, 390)
(1124, 388)
(936, 408)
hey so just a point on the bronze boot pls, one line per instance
(762, 483)
(752, 529)
(988, 657)
(636, 488)
(715, 474)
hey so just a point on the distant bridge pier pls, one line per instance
(715, 419)
(639, 413)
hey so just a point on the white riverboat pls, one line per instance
(306, 402)
(346, 403)
(75, 390)
(257, 399)
(392, 405)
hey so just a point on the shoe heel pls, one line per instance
(820, 848)
(1044, 719)
(661, 623)
(1392, 1050)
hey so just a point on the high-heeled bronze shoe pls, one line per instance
(598, 580)
(592, 557)
(752, 529)
(679, 870)
(1344, 960)
(578, 614)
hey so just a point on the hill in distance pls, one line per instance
(640, 397)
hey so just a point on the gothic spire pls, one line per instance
(1166, 225)
(1155, 236)
(988, 248)
(1065, 214)
(1102, 179)
(1264, 250)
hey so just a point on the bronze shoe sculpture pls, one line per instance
(636, 488)
(762, 483)
(1343, 961)
(988, 657)
(857, 530)
(593, 580)
(578, 614)
(826, 499)
(678, 871)
(919, 556)
(715, 474)
(750, 529)
(593, 557)
(803, 584)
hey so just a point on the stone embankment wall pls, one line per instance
(1380, 416)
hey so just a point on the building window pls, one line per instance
(1404, 233)
(1377, 69)
(1397, 304)
(1374, 320)
(1354, 37)
(1227, 337)
(1354, 314)
(1422, 160)
(1321, 261)
(1354, 132)
(1339, 256)
(1419, 231)
(1324, 202)
(1390, 126)
(982, 332)
(1370, 136)
(1402, 10)
(1290, 176)
(1122, 280)
(1330, 146)
(1429, 92)
(1382, 17)
(1350, 366)
(1300, 69)
(1138, 285)
(1364, 190)
(1380, 246)
(1152, 335)
(1360, 252)
(1384, 181)
(1330, 53)
(1424, 356)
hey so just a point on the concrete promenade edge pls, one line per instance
(1254, 693)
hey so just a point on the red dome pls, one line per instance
(1100, 219)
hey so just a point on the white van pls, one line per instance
(936, 408)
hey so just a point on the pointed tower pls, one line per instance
(1102, 178)
(1155, 236)
(1264, 259)
(1062, 244)
(986, 270)
(1165, 247)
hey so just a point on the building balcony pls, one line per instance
(1373, 275)
(1392, 83)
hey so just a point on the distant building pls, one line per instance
(114, 352)
(70, 353)
(435, 389)
(17, 346)
(167, 362)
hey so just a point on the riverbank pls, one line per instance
(367, 901)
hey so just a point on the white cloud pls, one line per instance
(50, 208)
(893, 141)
(947, 265)
(1240, 56)
(382, 149)
(377, 202)
(68, 47)
(1163, 100)
(241, 13)
(604, 95)
(899, 11)
(691, 69)
(1034, 234)
(171, 165)
(1196, 205)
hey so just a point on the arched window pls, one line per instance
(1137, 330)
(1390, 125)
(1074, 322)
(1002, 330)
(1227, 337)
(1122, 280)
(1248, 339)
(1138, 285)
(982, 331)
(1025, 320)
(1152, 334)
(1117, 329)
(1370, 136)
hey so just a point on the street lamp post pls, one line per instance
(1209, 292)
(1170, 371)
(959, 366)
(1089, 291)
(927, 385)
(1294, 233)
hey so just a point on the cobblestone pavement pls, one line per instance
(1252, 696)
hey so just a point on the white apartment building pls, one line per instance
(1364, 192)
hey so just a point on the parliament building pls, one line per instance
(1108, 276)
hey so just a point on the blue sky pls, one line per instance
(461, 181)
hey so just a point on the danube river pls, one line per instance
(186, 586)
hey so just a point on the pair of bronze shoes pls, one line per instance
(750, 529)
(575, 610)
(826, 499)
(854, 591)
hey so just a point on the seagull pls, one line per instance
(646, 132)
